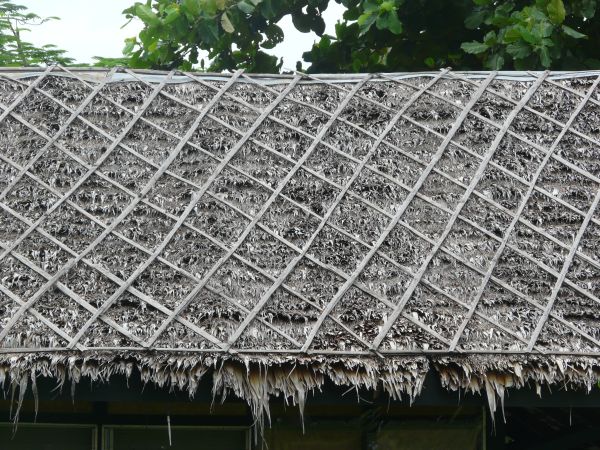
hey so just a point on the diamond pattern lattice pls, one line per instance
(379, 214)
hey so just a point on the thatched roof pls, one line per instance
(361, 228)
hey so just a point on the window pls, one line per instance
(315, 438)
(415, 435)
(181, 438)
(35, 436)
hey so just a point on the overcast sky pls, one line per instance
(91, 28)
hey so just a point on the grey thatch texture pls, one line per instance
(364, 229)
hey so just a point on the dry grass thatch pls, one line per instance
(285, 229)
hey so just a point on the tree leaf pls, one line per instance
(474, 47)
(556, 11)
(528, 36)
(274, 36)
(246, 8)
(365, 21)
(512, 35)
(318, 25)
(129, 44)
(302, 22)
(586, 8)
(215, 5)
(267, 9)
(475, 19)
(370, 5)
(193, 7)
(495, 62)
(194, 55)
(546, 29)
(226, 23)
(518, 50)
(545, 58)
(389, 21)
(209, 30)
(172, 15)
(573, 33)
(146, 14)
(490, 38)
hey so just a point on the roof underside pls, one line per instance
(372, 221)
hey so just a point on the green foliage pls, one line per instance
(373, 35)
(533, 34)
(381, 13)
(233, 32)
(430, 36)
(14, 51)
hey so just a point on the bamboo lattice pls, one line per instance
(365, 215)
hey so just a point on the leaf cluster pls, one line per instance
(233, 33)
(372, 35)
(537, 34)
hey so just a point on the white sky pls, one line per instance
(91, 28)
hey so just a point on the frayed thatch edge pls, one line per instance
(256, 380)
(494, 375)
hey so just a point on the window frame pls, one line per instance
(108, 436)
(461, 423)
(34, 425)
